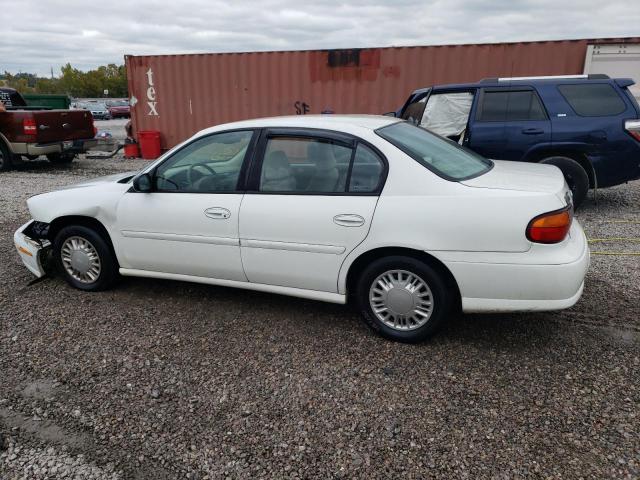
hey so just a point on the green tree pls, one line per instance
(74, 82)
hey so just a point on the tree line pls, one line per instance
(73, 82)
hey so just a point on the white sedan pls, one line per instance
(408, 225)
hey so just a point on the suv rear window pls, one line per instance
(440, 155)
(593, 99)
(510, 106)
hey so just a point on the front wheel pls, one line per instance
(403, 299)
(84, 258)
(5, 158)
(575, 176)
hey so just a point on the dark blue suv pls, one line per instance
(588, 126)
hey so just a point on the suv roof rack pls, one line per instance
(592, 76)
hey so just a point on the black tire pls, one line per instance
(576, 177)
(108, 272)
(5, 158)
(61, 158)
(442, 297)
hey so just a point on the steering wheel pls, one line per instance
(193, 167)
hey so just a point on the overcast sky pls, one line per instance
(41, 34)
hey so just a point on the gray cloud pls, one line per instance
(87, 34)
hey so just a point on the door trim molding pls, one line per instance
(175, 237)
(293, 247)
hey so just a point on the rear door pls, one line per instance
(508, 123)
(312, 199)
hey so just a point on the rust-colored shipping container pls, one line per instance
(178, 95)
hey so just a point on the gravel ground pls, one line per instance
(161, 380)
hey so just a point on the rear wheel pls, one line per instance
(403, 299)
(84, 258)
(5, 158)
(576, 177)
(61, 158)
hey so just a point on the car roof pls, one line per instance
(325, 121)
(524, 81)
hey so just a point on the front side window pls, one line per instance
(510, 106)
(208, 165)
(444, 157)
(447, 114)
(414, 112)
(297, 164)
(593, 99)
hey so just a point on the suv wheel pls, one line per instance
(5, 158)
(403, 299)
(84, 258)
(576, 177)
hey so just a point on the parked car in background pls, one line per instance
(587, 126)
(119, 108)
(98, 110)
(408, 225)
(28, 132)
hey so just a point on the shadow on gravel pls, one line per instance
(307, 317)
(40, 165)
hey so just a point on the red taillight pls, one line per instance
(551, 227)
(633, 127)
(29, 126)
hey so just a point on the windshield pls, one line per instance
(440, 155)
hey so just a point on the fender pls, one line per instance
(542, 150)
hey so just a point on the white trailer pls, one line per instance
(616, 60)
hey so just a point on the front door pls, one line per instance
(313, 199)
(508, 123)
(188, 224)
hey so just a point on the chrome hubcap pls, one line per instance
(401, 300)
(80, 259)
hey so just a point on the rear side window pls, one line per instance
(315, 165)
(593, 99)
(11, 98)
(298, 164)
(509, 106)
(366, 171)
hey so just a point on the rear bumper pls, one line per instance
(535, 284)
(31, 251)
(36, 149)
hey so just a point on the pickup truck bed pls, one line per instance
(58, 134)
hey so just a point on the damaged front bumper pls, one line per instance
(33, 251)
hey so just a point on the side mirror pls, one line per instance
(142, 183)
(389, 114)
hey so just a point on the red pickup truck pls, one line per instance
(29, 132)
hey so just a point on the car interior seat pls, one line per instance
(276, 173)
(326, 175)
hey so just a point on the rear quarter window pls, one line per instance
(593, 99)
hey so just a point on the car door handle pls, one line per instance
(532, 131)
(217, 213)
(348, 220)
